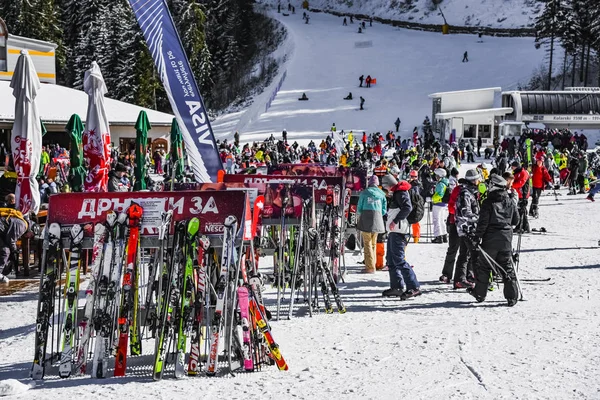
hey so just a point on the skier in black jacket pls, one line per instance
(494, 233)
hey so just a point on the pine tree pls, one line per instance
(206, 70)
(548, 27)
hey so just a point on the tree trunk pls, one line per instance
(564, 72)
(550, 63)
(587, 66)
(582, 63)
(573, 68)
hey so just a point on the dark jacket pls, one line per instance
(399, 207)
(11, 231)
(114, 183)
(497, 217)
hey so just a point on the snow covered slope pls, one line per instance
(480, 13)
(324, 62)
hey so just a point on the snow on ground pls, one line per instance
(481, 13)
(324, 63)
(441, 345)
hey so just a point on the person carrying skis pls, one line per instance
(397, 123)
(401, 272)
(12, 226)
(372, 206)
(540, 177)
(361, 79)
(362, 102)
(493, 237)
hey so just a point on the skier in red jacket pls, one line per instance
(540, 177)
(521, 185)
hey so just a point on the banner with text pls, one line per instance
(210, 207)
(356, 178)
(178, 80)
(259, 182)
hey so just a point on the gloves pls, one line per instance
(515, 257)
(475, 241)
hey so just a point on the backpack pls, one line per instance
(446, 196)
(418, 206)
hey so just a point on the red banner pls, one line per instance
(355, 178)
(259, 182)
(211, 207)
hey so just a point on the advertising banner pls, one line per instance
(210, 207)
(178, 80)
(355, 178)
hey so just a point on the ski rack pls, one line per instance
(146, 242)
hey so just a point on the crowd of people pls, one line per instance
(475, 215)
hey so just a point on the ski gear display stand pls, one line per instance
(293, 205)
(166, 266)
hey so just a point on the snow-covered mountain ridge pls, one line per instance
(469, 13)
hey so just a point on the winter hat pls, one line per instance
(414, 174)
(388, 181)
(472, 175)
(515, 164)
(497, 180)
(454, 172)
(440, 172)
(373, 181)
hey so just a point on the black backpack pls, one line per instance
(446, 196)
(418, 206)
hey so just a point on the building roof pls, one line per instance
(458, 114)
(440, 94)
(57, 103)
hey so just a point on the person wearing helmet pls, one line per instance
(440, 199)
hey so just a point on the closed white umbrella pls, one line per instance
(96, 137)
(26, 138)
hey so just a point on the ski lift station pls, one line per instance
(57, 103)
(489, 112)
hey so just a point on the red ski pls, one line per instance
(134, 215)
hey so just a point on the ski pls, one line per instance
(187, 297)
(265, 329)
(170, 300)
(72, 290)
(244, 304)
(102, 318)
(134, 216)
(199, 304)
(218, 319)
(85, 325)
(45, 308)
(536, 280)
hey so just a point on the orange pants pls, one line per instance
(380, 251)
(416, 231)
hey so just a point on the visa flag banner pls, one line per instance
(176, 75)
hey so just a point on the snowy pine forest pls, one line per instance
(230, 42)
(228, 53)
